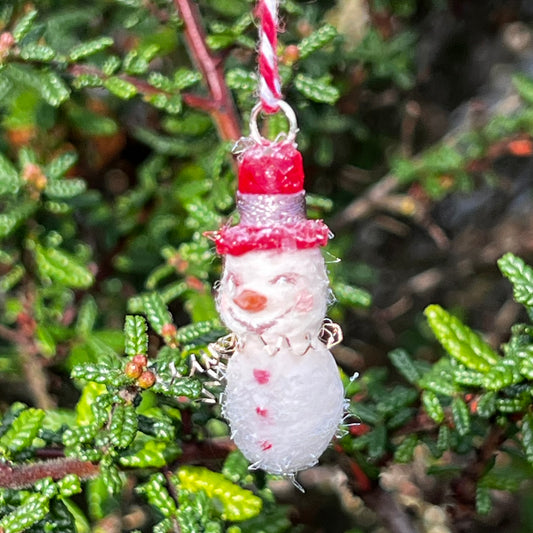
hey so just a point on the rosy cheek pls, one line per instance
(305, 302)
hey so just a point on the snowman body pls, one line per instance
(283, 397)
(293, 405)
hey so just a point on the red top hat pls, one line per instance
(271, 203)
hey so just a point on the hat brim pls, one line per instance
(240, 239)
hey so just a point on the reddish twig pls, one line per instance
(17, 477)
(223, 112)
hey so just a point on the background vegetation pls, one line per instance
(117, 121)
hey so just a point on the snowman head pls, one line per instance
(274, 282)
(274, 292)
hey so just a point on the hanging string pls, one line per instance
(269, 81)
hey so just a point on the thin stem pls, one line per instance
(17, 477)
(224, 113)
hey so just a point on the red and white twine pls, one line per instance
(269, 81)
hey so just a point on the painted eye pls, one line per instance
(289, 278)
(232, 282)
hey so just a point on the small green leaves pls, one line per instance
(433, 406)
(59, 165)
(404, 364)
(352, 296)
(24, 25)
(120, 87)
(32, 509)
(99, 373)
(136, 336)
(63, 189)
(404, 452)
(156, 312)
(189, 387)
(9, 177)
(156, 492)
(89, 48)
(37, 52)
(316, 40)
(483, 503)
(520, 275)
(123, 426)
(238, 504)
(459, 340)
(149, 453)
(318, 90)
(53, 89)
(527, 436)
(23, 430)
(62, 268)
(461, 416)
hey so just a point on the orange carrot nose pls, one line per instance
(251, 301)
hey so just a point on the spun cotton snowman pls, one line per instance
(283, 397)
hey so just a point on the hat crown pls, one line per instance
(271, 168)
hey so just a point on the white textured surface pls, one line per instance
(295, 285)
(283, 409)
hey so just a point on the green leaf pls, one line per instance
(123, 426)
(240, 79)
(62, 268)
(23, 430)
(432, 406)
(156, 312)
(150, 453)
(59, 165)
(189, 387)
(483, 503)
(100, 373)
(404, 452)
(486, 405)
(512, 405)
(24, 25)
(32, 509)
(69, 485)
(316, 40)
(237, 503)
(527, 436)
(62, 189)
(52, 88)
(89, 48)
(524, 86)
(37, 52)
(135, 335)
(461, 416)
(200, 333)
(157, 494)
(404, 364)
(444, 438)
(120, 87)
(377, 442)
(316, 90)
(520, 275)
(499, 376)
(87, 314)
(184, 78)
(9, 177)
(460, 341)
(12, 278)
(352, 296)
(84, 412)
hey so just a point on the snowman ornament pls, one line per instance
(283, 397)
